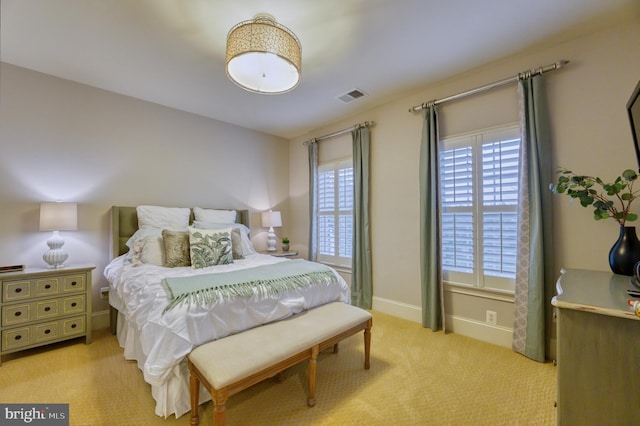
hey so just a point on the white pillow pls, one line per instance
(247, 246)
(143, 233)
(175, 218)
(215, 216)
(149, 249)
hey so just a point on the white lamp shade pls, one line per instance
(271, 219)
(58, 217)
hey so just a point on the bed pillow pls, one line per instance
(246, 245)
(213, 215)
(210, 247)
(236, 244)
(149, 250)
(141, 234)
(176, 248)
(163, 217)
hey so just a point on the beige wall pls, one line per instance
(64, 141)
(590, 134)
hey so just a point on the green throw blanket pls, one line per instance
(264, 280)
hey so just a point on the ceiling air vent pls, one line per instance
(352, 96)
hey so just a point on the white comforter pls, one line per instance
(159, 342)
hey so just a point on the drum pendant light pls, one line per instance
(263, 56)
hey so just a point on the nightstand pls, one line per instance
(280, 253)
(41, 306)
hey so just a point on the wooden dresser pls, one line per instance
(598, 350)
(43, 306)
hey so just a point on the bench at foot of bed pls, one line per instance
(234, 363)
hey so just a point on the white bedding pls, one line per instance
(159, 342)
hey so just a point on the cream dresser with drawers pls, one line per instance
(43, 306)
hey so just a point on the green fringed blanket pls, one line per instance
(263, 280)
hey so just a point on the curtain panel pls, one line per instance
(534, 270)
(313, 201)
(430, 263)
(361, 286)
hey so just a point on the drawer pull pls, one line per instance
(73, 283)
(74, 304)
(48, 286)
(18, 337)
(47, 309)
(74, 325)
(18, 290)
(47, 331)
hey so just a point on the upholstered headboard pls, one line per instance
(124, 223)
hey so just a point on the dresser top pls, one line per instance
(599, 292)
(34, 271)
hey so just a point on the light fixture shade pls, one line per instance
(271, 219)
(58, 217)
(263, 56)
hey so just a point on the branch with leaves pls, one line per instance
(610, 200)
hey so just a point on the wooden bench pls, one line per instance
(234, 363)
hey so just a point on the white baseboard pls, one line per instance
(398, 309)
(100, 320)
(501, 336)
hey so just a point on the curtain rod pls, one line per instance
(525, 74)
(339, 132)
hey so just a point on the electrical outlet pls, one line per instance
(104, 292)
(492, 318)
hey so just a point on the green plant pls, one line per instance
(285, 240)
(610, 200)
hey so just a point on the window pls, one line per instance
(335, 212)
(479, 190)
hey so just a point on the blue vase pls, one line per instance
(625, 253)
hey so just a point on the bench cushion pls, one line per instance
(235, 357)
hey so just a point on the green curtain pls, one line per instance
(361, 287)
(313, 201)
(534, 271)
(430, 266)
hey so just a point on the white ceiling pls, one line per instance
(172, 52)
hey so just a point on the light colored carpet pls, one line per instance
(417, 377)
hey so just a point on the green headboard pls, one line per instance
(124, 223)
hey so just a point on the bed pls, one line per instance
(157, 329)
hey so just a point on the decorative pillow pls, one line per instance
(148, 250)
(246, 245)
(209, 247)
(140, 234)
(236, 244)
(163, 217)
(176, 248)
(215, 216)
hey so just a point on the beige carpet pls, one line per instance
(417, 377)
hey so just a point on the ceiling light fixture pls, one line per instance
(263, 56)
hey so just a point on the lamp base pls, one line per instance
(55, 256)
(271, 240)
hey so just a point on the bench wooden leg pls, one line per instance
(194, 387)
(311, 371)
(367, 344)
(335, 348)
(220, 407)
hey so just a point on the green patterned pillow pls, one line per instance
(176, 248)
(209, 247)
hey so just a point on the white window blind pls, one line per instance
(479, 191)
(335, 212)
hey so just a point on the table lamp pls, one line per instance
(57, 217)
(270, 220)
